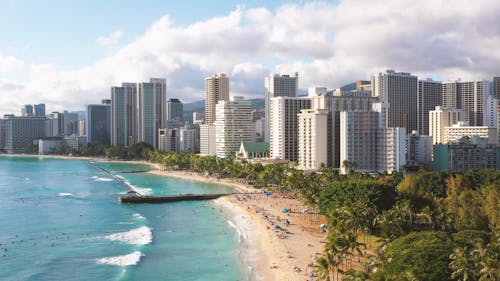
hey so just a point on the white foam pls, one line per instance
(64, 194)
(94, 177)
(138, 236)
(237, 229)
(140, 190)
(103, 179)
(130, 259)
(138, 216)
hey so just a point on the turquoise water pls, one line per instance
(60, 220)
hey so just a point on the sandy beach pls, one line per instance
(277, 245)
(275, 250)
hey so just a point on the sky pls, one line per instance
(67, 54)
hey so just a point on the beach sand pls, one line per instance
(287, 254)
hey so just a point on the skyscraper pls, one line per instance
(27, 110)
(22, 131)
(233, 125)
(123, 114)
(278, 86)
(98, 123)
(152, 114)
(216, 89)
(496, 87)
(429, 96)
(40, 110)
(284, 137)
(313, 139)
(175, 113)
(471, 97)
(399, 89)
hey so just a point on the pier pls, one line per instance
(170, 198)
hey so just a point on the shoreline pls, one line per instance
(284, 253)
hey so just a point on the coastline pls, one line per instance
(287, 253)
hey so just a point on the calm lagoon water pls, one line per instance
(61, 220)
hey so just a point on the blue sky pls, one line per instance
(69, 53)
(64, 32)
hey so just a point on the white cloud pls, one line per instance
(10, 63)
(111, 39)
(328, 44)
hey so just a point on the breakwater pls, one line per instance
(169, 198)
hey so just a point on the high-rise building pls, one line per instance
(471, 97)
(189, 139)
(418, 149)
(52, 125)
(207, 139)
(68, 123)
(22, 131)
(3, 133)
(216, 89)
(198, 118)
(233, 125)
(429, 96)
(496, 87)
(283, 131)
(440, 118)
(358, 141)
(99, 123)
(313, 138)
(399, 89)
(490, 112)
(175, 113)
(334, 105)
(152, 113)
(39, 110)
(278, 86)
(366, 147)
(124, 114)
(168, 140)
(27, 110)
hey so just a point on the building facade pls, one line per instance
(399, 89)
(207, 139)
(233, 125)
(313, 138)
(21, 132)
(175, 113)
(216, 89)
(418, 149)
(152, 113)
(466, 154)
(277, 85)
(439, 119)
(461, 129)
(470, 97)
(124, 114)
(283, 131)
(39, 110)
(429, 95)
(98, 124)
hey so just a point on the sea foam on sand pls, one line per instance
(138, 236)
(130, 259)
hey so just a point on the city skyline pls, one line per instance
(335, 43)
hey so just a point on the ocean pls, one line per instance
(61, 220)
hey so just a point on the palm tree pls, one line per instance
(462, 265)
(322, 268)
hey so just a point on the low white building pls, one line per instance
(75, 142)
(462, 129)
(49, 145)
